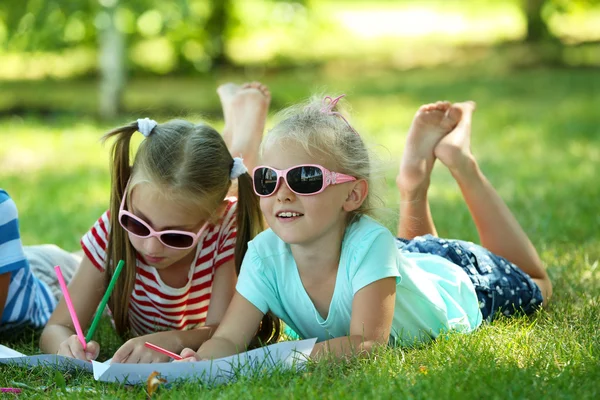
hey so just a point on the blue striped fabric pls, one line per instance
(29, 301)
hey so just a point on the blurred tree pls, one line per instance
(217, 27)
(538, 12)
(111, 60)
(537, 29)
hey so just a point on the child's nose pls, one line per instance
(152, 245)
(284, 193)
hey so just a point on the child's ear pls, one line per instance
(356, 195)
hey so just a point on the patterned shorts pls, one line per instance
(43, 258)
(500, 285)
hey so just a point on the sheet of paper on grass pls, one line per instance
(10, 356)
(261, 361)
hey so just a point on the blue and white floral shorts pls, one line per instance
(500, 285)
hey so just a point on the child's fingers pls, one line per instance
(187, 352)
(76, 348)
(148, 356)
(65, 350)
(92, 350)
(123, 353)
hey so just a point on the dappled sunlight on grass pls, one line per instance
(28, 147)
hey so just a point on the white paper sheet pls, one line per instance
(263, 360)
(285, 355)
(10, 356)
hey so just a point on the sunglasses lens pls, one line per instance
(177, 240)
(134, 226)
(305, 179)
(265, 181)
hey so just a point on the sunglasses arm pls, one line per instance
(333, 178)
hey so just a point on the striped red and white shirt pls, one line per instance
(154, 306)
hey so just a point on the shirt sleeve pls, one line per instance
(375, 257)
(95, 242)
(12, 256)
(227, 234)
(253, 283)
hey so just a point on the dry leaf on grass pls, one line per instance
(153, 382)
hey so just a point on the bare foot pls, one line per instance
(226, 93)
(245, 109)
(430, 124)
(454, 149)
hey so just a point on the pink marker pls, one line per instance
(161, 350)
(10, 390)
(63, 287)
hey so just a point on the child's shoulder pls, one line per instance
(366, 229)
(267, 244)
(7, 206)
(230, 209)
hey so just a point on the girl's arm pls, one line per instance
(86, 290)
(135, 351)
(234, 334)
(371, 323)
(222, 292)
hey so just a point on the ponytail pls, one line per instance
(119, 247)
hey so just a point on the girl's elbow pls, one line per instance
(367, 346)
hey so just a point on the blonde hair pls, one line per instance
(325, 134)
(192, 164)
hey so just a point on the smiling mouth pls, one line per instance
(289, 214)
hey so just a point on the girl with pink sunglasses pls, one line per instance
(181, 237)
(330, 271)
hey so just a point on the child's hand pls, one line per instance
(189, 355)
(72, 348)
(135, 352)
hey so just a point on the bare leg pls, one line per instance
(498, 229)
(245, 109)
(431, 123)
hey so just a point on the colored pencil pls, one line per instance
(63, 286)
(10, 390)
(100, 310)
(161, 350)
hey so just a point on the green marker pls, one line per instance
(100, 309)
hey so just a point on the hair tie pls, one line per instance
(329, 103)
(146, 125)
(238, 168)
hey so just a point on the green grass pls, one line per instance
(536, 136)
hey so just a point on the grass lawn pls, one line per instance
(537, 137)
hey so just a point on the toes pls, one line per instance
(263, 89)
(453, 115)
(426, 107)
(466, 108)
(438, 105)
(442, 105)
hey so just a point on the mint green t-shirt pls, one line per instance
(433, 295)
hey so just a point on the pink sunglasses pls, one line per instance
(304, 180)
(171, 238)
